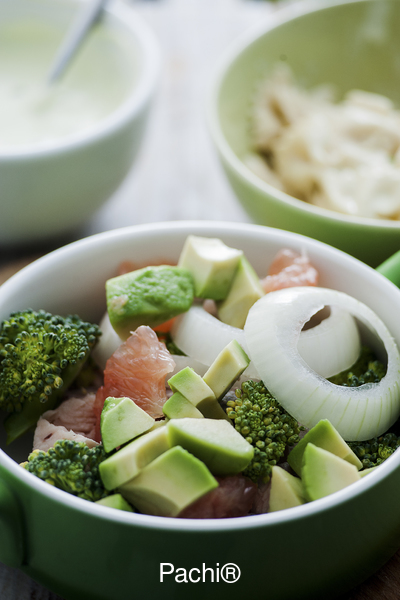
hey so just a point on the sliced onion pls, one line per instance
(202, 336)
(322, 347)
(187, 361)
(272, 333)
(107, 344)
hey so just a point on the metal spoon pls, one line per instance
(87, 17)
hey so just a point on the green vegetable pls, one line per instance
(148, 296)
(373, 452)
(41, 355)
(263, 422)
(367, 369)
(70, 466)
(171, 346)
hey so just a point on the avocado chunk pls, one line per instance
(244, 292)
(367, 471)
(212, 264)
(121, 421)
(191, 385)
(214, 441)
(324, 435)
(324, 473)
(116, 501)
(169, 484)
(188, 383)
(159, 423)
(286, 490)
(148, 296)
(127, 462)
(178, 407)
(226, 369)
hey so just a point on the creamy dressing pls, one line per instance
(96, 83)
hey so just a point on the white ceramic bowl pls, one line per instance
(49, 189)
(313, 551)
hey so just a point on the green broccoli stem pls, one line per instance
(18, 423)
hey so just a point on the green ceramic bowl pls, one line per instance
(85, 551)
(352, 44)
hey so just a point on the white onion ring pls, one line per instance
(202, 336)
(109, 341)
(272, 332)
(322, 348)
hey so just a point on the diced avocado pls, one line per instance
(286, 490)
(178, 407)
(214, 441)
(226, 368)
(324, 435)
(127, 462)
(367, 471)
(169, 484)
(212, 264)
(191, 385)
(159, 423)
(148, 296)
(324, 473)
(244, 292)
(188, 383)
(121, 421)
(116, 501)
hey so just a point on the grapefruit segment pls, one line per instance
(137, 370)
(289, 269)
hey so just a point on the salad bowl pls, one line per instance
(314, 39)
(85, 551)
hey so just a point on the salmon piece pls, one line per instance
(74, 419)
(233, 497)
(75, 414)
(47, 434)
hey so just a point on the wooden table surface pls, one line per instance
(177, 176)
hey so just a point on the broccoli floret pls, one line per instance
(41, 354)
(262, 421)
(367, 369)
(373, 452)
(70, 466)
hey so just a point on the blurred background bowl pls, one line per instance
(52, 185)
(350, 44)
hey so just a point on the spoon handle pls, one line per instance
(86, 18)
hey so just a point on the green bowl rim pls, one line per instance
(232, 53)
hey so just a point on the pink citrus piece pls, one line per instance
(137, 370)
(289, 269)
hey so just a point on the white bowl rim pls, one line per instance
(142, 91)
(175, 524)
(282, 15)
